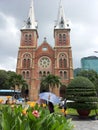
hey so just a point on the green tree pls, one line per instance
(91, 75)
(50, 81)
(4, 84)
(76, 71)
(9, 80)
(82, 91)
(17, 80)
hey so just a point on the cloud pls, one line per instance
(9, 39)
(9, 64)
(84, 31)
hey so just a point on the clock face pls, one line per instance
(44, 62)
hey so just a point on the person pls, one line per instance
(7, 101)
(51, 107)
(64, 105)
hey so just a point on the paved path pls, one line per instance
(85, 124)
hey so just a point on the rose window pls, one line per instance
(44, 62)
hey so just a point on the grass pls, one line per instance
(74, 112)
(94, 112)
(71, 111)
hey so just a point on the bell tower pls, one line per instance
(29, 33)
(63, 52)
(28, 45)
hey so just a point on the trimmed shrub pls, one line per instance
(83, 94)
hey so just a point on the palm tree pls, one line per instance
(50, 81)
(17, 80)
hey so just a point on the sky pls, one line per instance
(83, 15)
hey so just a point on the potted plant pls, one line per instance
(83, 95)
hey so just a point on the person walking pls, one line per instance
(64, 105)
(51, 107)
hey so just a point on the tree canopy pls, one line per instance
(83, 94)
(9, 79)
(50, 81)
(91, 75)
(4, 83)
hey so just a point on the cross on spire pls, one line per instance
(45, 39)
(31, 22)
(61, 22)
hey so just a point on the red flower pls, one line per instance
(36, 113)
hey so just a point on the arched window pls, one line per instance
(65, 63)
(26, 37)
(62, 60)
(40, 74)
(24, 63)
(60, 63)
(64, 38)
(30, 36)
(44, 73)
(65, 75)
(61, 74)
(23, 74)
(48, 73)
(60, 38)
(27, 74)
(28, 63)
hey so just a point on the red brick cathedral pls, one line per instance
(35, 61)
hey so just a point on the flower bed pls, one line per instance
(32, 117)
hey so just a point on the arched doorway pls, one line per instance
(44, 89)
(63, 91)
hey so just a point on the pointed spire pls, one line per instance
(31, 22)
(61, 22)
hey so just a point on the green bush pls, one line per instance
(83, 94)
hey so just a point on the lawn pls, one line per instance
(74, 112)
(71, 111)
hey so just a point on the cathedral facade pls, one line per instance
(34, 61)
